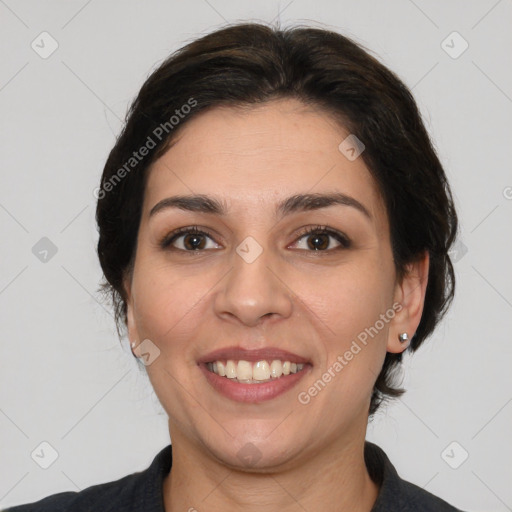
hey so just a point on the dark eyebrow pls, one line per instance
(304, 202)
(298, 202)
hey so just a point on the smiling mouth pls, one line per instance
(257, 372)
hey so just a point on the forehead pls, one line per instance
(251, 157)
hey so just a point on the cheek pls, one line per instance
(168, 305)
(349, 298)
(349, 302)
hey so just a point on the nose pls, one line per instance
(253, 290)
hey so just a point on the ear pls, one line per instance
(133, 335)
(410, 294)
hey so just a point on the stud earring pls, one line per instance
(403, 337)
(132, 345)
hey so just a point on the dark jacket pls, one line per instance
(142, 491)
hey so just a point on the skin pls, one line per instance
(310, 302)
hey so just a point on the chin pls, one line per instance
(255, 454)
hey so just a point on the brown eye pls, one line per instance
(188, 239)
(319, 241)
(194, 241)
(323, 239)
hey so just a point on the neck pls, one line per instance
(333, 479)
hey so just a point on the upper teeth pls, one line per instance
(247, 371)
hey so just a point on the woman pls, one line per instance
(274, 227)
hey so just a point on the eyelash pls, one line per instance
(195, 230)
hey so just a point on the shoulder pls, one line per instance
(99, 496)
(416, 498)
(396, 494)
(138, 491)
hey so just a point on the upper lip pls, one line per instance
(239, 353)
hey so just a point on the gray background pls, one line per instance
(64, 377)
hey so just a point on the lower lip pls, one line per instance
(253, 393)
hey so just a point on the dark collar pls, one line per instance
(395, 494)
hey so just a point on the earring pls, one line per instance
(132, 344)
(403, 337)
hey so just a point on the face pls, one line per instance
(256, 272)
